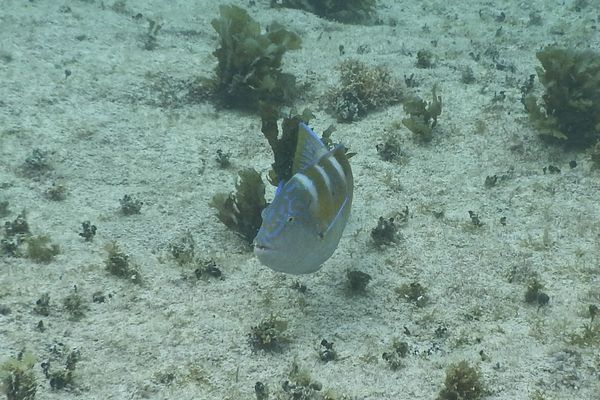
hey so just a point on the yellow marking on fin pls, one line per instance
(309, 149)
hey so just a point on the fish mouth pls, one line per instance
(261, 247)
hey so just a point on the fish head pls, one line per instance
(288, 235)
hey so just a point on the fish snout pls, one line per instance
(260, 245)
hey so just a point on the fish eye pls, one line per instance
(290, 219)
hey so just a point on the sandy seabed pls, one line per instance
(113, 125)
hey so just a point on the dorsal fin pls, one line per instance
(309, 149)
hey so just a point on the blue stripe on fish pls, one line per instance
(303, 225)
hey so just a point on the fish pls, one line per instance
(302, 227)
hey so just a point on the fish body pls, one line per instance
(303, 225)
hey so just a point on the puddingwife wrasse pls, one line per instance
(302, 226)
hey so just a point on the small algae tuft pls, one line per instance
(283, 145)
(19, 226)
(249, 62)
(36, 164)
(385, 233)
(301, 386)
(425, 59)
(423, 115)
(60, 378)
(75, 305)
(41, 249)
(183, 248)
(362, 89)
(358, 281)
(395, 355)
(414, 293)
(261, 391)
(269, 335)
(241, 211)
(56, 192)
(117, 263)
(208, 269)
(15, 233)
(223, 159)
(17, 378)
(88, 231)
(463, 382)
(42, 305)
(569, 110)
(390, 149)
(534, 294)
(326, 351)
(589, 335)
(130, 205)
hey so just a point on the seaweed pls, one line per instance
(534, 294)
(261, 391)
(467, 76)
(587, 336)
(150, 39)
(130, 205)
(89, 231)
(241, 211)
(183, 248)
(56, 192)
(17, 378)
(41, 249)
(208, 269)
(463, 382)
(98, 297)
(42, 305)
(17, 227)
(284, 145)
(385, 233)
(390, 149)
(222, 159)
(394, 357)
(326, 351)
(10, 247)
(62, 377)
(118, 264)
(269, 335)
(475, 220)
(357, 281)
(301, 386)
(347, 11)
(422, 115)
(425, 59)
(249, 62)
(413, 293)
(593, 311)
(75, 304)
(362, 89)
(36, 164)
(569, 110)
(490, 181)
